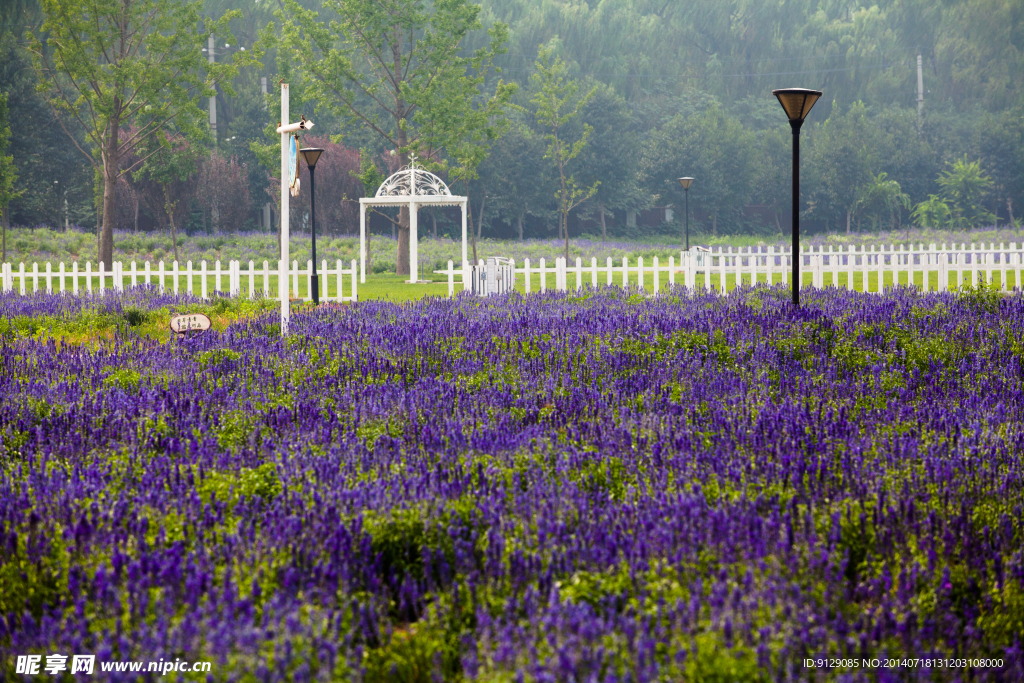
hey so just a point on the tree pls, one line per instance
(514, 177)
(716, 150)
(1002, 151)
(111, 63)
(556, 102)
(8, 173)
(965, 185)
(171, 172)
(882, 197)
(398, 69)
(611, 158)
(932, 213)
(222, 192)
(842, 153)
(337, 189)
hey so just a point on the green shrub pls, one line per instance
(134, 316)
(418, 653)
(985, 297)
(216, 357)
(124, 378)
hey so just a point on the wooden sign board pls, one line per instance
(193, 322)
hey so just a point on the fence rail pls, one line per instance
(249, 282)
(866, 268)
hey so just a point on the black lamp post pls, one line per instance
(797, 102)
(686, 182)
(311, 155)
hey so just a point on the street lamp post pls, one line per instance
(797, 103)
(686, 182)
(311, 155)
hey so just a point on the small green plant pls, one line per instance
(125, 378)
(217, 357)
(134, 316)
(985, 296)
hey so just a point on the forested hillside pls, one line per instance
(675, 89)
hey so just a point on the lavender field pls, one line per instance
(559, 487)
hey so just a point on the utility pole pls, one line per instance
(920, 90)
(213, 98)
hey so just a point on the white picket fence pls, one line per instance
(178, 280)
(878, 267)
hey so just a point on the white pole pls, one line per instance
(362, 242)
(920, 89)
(341, 281)
(465, 254)
(414, 258)
(282, 271)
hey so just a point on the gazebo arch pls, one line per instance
(415, 187)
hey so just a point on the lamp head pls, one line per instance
(311, 155)
(797, 102)
(686, 182)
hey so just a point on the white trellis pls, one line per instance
(415, 187)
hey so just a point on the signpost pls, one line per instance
(193, 322)
(289, 185)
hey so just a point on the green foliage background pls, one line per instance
(684, 90)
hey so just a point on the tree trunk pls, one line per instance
(714, 222)
(169, 208)
(136, 228)
(480, 218)
(848, 211)
(520, 222)
(433, 217)
(778, 226)
(111, 164)
(1009, 210)
(174, 236)
(565, 229)
(472, 232)
(604, 227)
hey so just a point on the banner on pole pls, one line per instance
(293, 164)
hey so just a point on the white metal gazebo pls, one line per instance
(415, 187)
